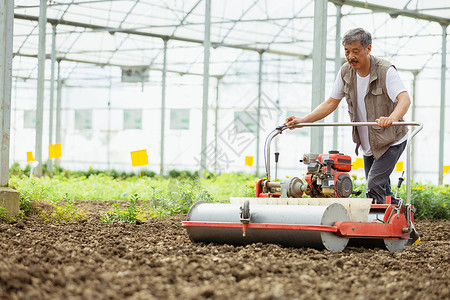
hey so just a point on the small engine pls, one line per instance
(327, 175)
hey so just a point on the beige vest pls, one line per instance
(378, 104)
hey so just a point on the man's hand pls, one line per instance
(320, 112)
(400, 110)
(384, 122)
(292, 121)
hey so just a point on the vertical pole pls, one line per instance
(206, 49)
(163, 107)
(40, 85)
(108, 132)
(216, 127)
(14, 109)
(52, 93)
(319, 64)
(337, 66)
(58, 108)
(408, 176)
(6, 45)
(442, 115)
(413, 118)
(258, 112)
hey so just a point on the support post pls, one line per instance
(337, 67)
(52, 93)
(216, 125)
(442, 111)
(108, 132)
(6, 46)
(40, 86)
(206, 49)
(58, 109)
(258, 112)
(319, 67)
(163, 107)
(413, 118)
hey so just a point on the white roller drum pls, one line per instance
(268, 214)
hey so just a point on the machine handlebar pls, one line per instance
(318, 124)
(282, 128)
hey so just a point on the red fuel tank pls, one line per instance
(342, 162)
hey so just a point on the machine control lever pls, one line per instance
(245, 216)
(328, 182)
(277, 155)
(329, 163)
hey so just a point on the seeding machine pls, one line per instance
(329, 218)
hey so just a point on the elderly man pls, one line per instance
(374, 93)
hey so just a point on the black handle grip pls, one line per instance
(329, 163)
(400, 181)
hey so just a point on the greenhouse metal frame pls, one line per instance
(282, 55)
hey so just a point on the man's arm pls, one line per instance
(321, 111)
(400, 110)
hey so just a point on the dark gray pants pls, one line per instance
(378, 172)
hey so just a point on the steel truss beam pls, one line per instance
(393, 12)
(155, 35)
(109, 64)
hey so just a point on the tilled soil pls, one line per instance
(156, 260)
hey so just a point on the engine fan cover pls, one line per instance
(344, 186)
(292, 188)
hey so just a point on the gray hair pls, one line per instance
(357, 34)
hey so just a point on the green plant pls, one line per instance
(184, 174)
(247, 190)
(131, 214)
(359, 184)
(227, 185)
(188, 193)
(4, 217)
(15, 169)
(25, 206)
(57, 212)
(162, 196)
(431, 202)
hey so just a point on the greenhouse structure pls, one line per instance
(198, 84)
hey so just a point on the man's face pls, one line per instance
(356, 55)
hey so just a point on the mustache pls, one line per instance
(353, 61)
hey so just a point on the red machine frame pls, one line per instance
(397, 220)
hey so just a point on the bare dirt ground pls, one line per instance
(156, 260)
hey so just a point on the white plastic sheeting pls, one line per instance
(96, 38)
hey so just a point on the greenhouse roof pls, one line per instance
(129, 33)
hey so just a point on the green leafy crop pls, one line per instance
(142, 198)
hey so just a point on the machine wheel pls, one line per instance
(344, 186)
(245, 210)
(395, 245)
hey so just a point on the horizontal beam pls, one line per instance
(377, 8)
(393, 12)
(155, 35)
(152, 68)
(109, 64)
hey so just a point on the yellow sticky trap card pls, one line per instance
(358, 164)
(446, 169)
(399, 166)
(139, 158)
(30, 156)
(249, 161)
(54, 151)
